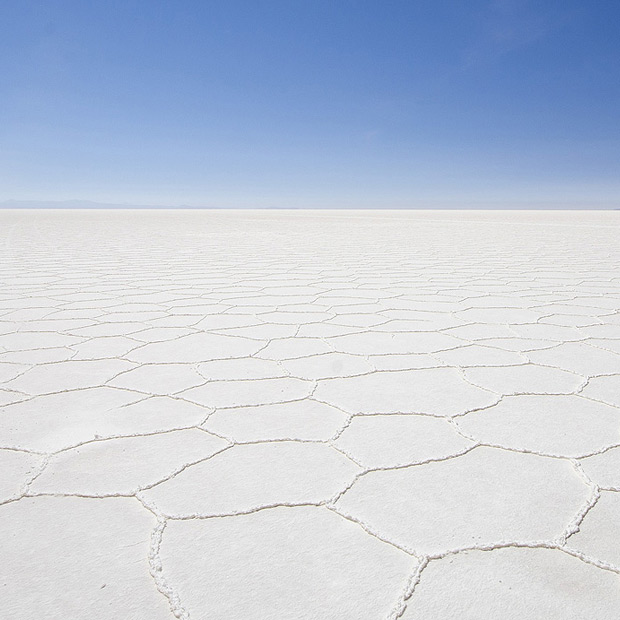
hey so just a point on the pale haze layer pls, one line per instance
(319, 104)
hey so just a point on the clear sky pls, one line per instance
(315, 103)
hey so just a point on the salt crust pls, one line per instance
(309, 415)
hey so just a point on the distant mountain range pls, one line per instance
(81, 204)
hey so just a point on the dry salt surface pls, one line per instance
(310, 415)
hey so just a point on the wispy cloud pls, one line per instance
(506, 26)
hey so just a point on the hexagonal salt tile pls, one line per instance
(604, 469)
(71, 557)
(243, 393)
(304, 419)
(541, 584)
(436, 391)
(483, 497)
(391, 440)
(525, 379)
(303, 563)
(125, 465)
(16, 467)
(599, 532)
(568, 426)
(247, 477)
(606, 389)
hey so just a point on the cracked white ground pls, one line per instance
(309, 415)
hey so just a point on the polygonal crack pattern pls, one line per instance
(352, 415)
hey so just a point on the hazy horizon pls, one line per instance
(456, 206)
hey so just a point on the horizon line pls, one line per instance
(448, 205)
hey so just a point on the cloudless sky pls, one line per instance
(315, 103)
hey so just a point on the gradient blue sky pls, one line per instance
(314, 103)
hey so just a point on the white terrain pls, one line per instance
(335, 415)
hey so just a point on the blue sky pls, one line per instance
(314, 103)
